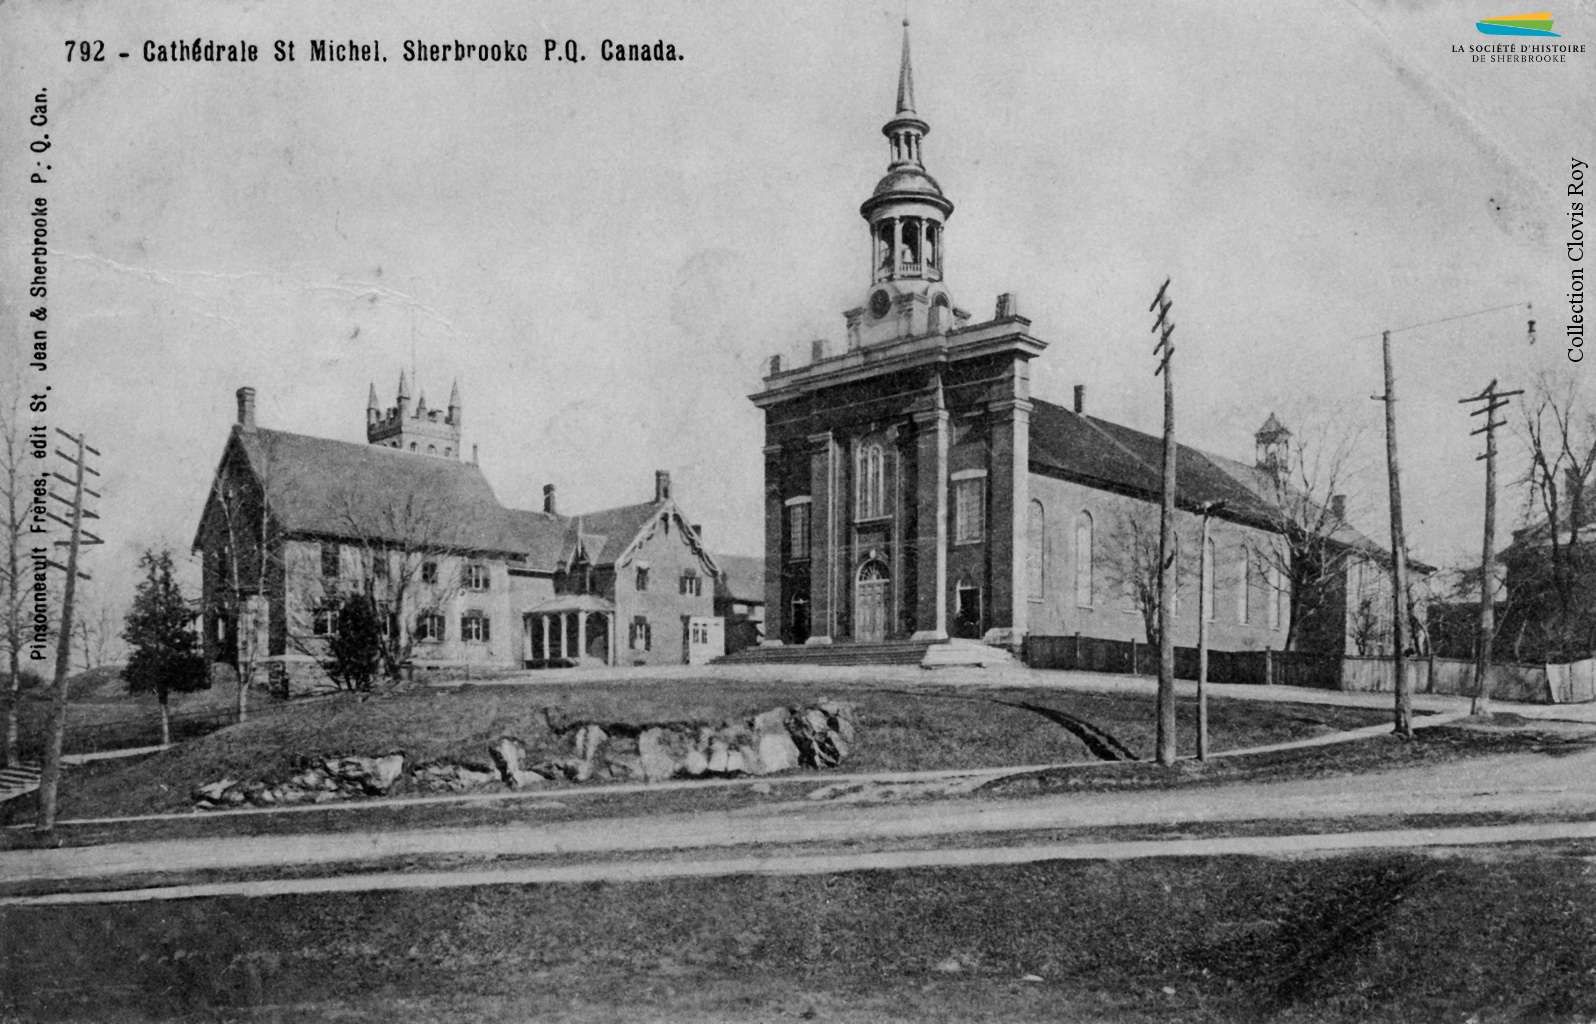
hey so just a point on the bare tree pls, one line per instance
(96, 630)
(404, 566)
(1131, 562)
(1550, 561)
(16, 563)
(1308, 547)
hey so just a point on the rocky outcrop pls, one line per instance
(332, 778)
(779, 740)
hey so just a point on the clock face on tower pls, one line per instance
(880, 303)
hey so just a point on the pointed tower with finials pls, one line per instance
(907, 214)
(1272, 447)
(423, 431)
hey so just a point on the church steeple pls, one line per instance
(906, 213)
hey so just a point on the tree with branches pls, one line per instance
(1303, 482)
(166, 656)
(1131, 561)
(1551, 571)
(16, 563)
(402, 571)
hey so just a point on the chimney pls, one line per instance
(548, 500)
(662, 484)
(246, 408)
(775, 365)
(1338, 507)
(1008, 305)
(1080, 399)
(817, 350)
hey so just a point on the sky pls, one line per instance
(604, 255)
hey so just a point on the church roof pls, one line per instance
(319, 486)
(542, 536)
(1117, 458)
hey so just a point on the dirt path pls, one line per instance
(1520, 783)
(650, 870)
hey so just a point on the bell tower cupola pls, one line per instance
(906, 213)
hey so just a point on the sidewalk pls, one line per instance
(911, 676)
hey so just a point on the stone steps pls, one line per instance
(893, 653)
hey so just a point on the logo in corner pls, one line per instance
(1518, 25)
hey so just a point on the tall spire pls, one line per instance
(905, 76)
(404, 387)
(372, 405)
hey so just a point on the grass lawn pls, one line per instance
(900, 730)
(1496, 936)
(102, 715)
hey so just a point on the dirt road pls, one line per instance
(1519, 784)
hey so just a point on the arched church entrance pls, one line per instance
(870, 603)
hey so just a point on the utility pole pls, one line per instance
(50, 777)
(1494, 400)
(1204, 610)
(1165, 328)
(1399, 557)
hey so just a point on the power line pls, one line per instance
(1446, 319)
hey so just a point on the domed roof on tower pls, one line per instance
(906, 177)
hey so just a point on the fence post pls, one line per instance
(1269, 666)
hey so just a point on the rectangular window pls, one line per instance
(429, 626)
(1276, 596)
(642, 577)
(325, 621)
(691, 584)
(477, 577)
(474, 627)
(379, 565)
(798, 530)
(329, 559)
(969, 510)
(642, 638)
(429, 572)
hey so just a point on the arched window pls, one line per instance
(870, 480)
(1276, 597)
(1083, 560)
(1244, 588)
(1036, 552)
(412, 446)
(1207, 610)
(432, 449)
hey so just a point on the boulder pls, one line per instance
(212, 791)
(777, 752)
(696, 762)
(590, 740)
(773, 721)
(509, 757)
(716, 755)
(661, 753)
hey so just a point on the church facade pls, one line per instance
(915, 490)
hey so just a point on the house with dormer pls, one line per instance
(294, 524)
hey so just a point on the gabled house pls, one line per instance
(295, 524)
(627, 583)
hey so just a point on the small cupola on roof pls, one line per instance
(906, 213)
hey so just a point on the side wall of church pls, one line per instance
(1069, 592)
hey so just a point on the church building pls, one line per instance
(916, 491)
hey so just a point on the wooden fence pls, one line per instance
(1525, 684)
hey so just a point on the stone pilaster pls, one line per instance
(824, 533)
(776, 610)
(931, 542)
(1009, 498)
